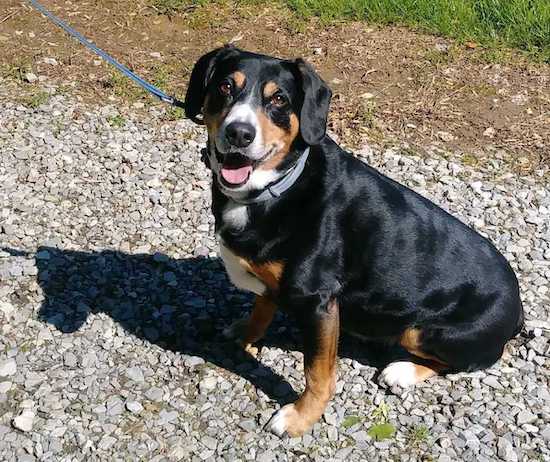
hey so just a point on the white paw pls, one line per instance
(402, 373)
(235, 331)
(279, 421)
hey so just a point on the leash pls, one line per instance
(127, 72)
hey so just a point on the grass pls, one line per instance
(16, 70)
(417, 435)
(116, 121)
(35, 99)
(174, 113)
(350, 421)
(523, 24)
(171, 7)
(123, 88)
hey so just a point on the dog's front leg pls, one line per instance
(250, 330)
(320, 330)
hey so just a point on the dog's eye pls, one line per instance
(278, 100)
(225, 88)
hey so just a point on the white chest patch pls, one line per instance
(235, 215)
(238, 274)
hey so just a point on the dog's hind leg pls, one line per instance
(409, 373)
(421, 366)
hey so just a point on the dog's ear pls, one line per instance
(314, 112)
(200, 76)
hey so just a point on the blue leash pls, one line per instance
(127, 72)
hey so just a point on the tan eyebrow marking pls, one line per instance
(239, 78)
(270, 88)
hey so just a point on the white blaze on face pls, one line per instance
(246, 113)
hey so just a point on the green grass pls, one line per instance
(174, 113)
(116, 121)
(35, 99)
(171, 7)
(124, 88)
(524, 24)
(350, 421)
(417, 435)
(381, 432)
(16, 70)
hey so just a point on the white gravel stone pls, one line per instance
(30, 77)
(493, 382)
(134, 407)
(525, 417)
(24, 421)
(6, 307)
(8, 367)
(506, 450)
(135, 373)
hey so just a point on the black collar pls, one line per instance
(277, 188)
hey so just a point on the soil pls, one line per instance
(390, 84)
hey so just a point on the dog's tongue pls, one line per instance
(236, 175)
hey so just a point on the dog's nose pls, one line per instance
(240, 134)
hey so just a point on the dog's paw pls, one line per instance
(236, 330)
(402, 373)
(288, 420)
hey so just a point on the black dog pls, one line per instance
(307, 227)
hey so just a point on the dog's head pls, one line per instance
(260, 112)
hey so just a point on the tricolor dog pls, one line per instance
(310, 229)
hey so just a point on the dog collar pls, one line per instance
(277, 188)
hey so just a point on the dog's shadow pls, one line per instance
(181, 305)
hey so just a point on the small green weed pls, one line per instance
(380, 432)
(116, 121)
(381, 429)
(350, 421)
(174, 113)
(35, 99)
(418, 434)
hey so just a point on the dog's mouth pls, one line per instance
(236, 169)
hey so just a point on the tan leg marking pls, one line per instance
(259, 320)
(320, 372)
(411, 341)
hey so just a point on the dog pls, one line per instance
(309, 228)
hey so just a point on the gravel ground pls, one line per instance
(112, 303)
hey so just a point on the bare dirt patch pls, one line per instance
(390, 84)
